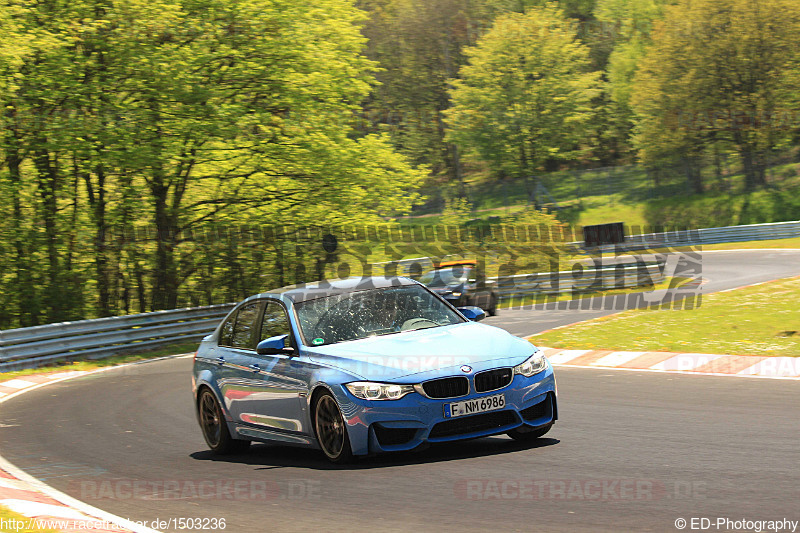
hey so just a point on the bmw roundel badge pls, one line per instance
(466, 368)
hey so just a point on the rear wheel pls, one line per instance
(215, 430)
(331, 430)
(528, 436)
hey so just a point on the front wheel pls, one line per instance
(331, 430)
(529, 436)
(215, 430)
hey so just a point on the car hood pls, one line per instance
(426, 353)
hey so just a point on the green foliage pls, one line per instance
(706, 211)
(456, 212)
(580, 9)
(716, 78)
(179, 116)
(525, 97)
(192, 117)
(631, 23)
(420, 45)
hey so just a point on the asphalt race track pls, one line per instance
(633, 451)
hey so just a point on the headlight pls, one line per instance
(535, 364)
(367, 390)
(456, 294)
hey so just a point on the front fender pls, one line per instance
(332, 380)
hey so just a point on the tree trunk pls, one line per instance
(693, 175)
(101, 257)
(761, 168)
(97, 201)
(28, 308)
(48, 181)
(141, 294)
(165, 273)
(750, 178)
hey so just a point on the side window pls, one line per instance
(275, 322)
(242, 336)
(227, 331)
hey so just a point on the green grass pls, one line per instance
(100, 363)
(758, 320)
(695, 211)
(611, 208)
(712, 209)
(726, 209)
(755, 245)
(627, 194)
(791, 243)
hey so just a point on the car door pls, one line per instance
(236, 346)
(272, 402)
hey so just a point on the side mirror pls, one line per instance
(274, 345)
(476, 314)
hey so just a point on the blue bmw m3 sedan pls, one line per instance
(362, 366)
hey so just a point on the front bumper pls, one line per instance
(404, 424)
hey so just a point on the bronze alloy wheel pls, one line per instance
(215, 430)
(331, 430)
(210, 419)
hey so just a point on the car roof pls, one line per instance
(321, 289)
(471, 262)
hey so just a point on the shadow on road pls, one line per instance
(268, 456)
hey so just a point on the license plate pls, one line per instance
(476, 405)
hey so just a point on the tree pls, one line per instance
(418, 44)
(718, 73)
(526, 96)
(263, 115)
(456, 212)
(630, 23)
(179, 117)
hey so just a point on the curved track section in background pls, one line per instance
(721, 270)
(631, 451)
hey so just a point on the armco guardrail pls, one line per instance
(103, 337)
(95, 339)
(725, 234)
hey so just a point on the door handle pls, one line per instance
(220, 360)
(255, 368)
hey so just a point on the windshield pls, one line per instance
(442, 277)
(371, 312)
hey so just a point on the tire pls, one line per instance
(529, 436)
(214, 427)
(492, 306)
(331, 430)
